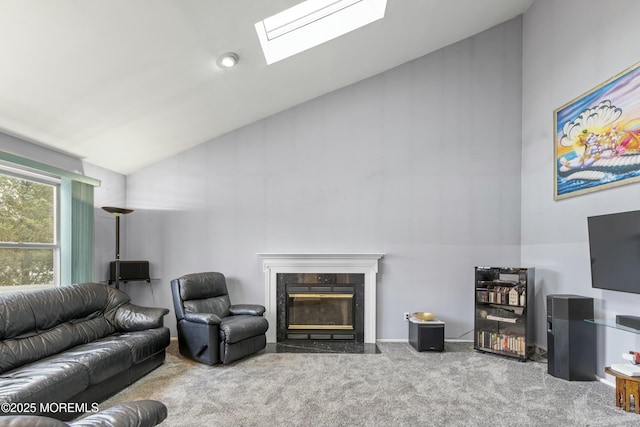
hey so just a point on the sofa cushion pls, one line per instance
(101, 359)
(144, 344)
(87, 330)
(29, 312)
(28, 348)
(44, 381)
(16, 316)
(65, 303)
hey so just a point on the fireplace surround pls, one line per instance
(365, 264)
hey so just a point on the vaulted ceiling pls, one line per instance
(125, 83)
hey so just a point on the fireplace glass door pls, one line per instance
(320, 311)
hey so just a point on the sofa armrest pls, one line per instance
(204, 318)
(250, 309)
(29, 421)
(140, 413)
(130, 317)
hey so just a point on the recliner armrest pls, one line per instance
(250, 309)
(204, 318)
(130, 317)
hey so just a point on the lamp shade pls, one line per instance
(117, 211)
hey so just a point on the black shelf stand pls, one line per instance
(504, 324)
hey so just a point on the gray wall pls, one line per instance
(421, 162)
(28, 150)
(571, 46)
(110, 193)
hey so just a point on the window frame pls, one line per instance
(55, 182)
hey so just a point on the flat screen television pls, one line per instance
(614, 246)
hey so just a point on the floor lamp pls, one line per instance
(118, 212)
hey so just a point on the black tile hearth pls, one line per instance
(322, 347)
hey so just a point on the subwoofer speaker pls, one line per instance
(571, 342)
(130, 270)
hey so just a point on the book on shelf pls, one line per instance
(482, 295)
(501, 295)
(507, 343)
(502, 319)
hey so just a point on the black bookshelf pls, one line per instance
(504, 311)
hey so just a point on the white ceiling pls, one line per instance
(125, 83)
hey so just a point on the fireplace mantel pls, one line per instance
(357, 263)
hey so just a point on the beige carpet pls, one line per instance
(398, 387)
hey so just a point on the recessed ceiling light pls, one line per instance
(313, 22)
(228, 60)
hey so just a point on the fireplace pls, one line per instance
(364, 265)
(320, 306)
(330, 311)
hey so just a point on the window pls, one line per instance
(66, 226)
(313, 22)
(29, 247)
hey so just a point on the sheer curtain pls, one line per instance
(76, 232)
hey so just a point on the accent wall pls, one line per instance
(421, 162)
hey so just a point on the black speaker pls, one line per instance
(427, 336)
(571, 342)
(130, 270)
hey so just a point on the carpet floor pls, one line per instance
(397, 387)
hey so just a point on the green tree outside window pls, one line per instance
(27, 232)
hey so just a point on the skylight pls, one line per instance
(313, 22)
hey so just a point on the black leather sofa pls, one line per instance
(75, 344)
(140, 413)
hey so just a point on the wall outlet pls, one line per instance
(407, 315)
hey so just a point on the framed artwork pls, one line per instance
(597, 137)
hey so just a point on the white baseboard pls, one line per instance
(604, 381)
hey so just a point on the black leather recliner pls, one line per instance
(210, 329)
